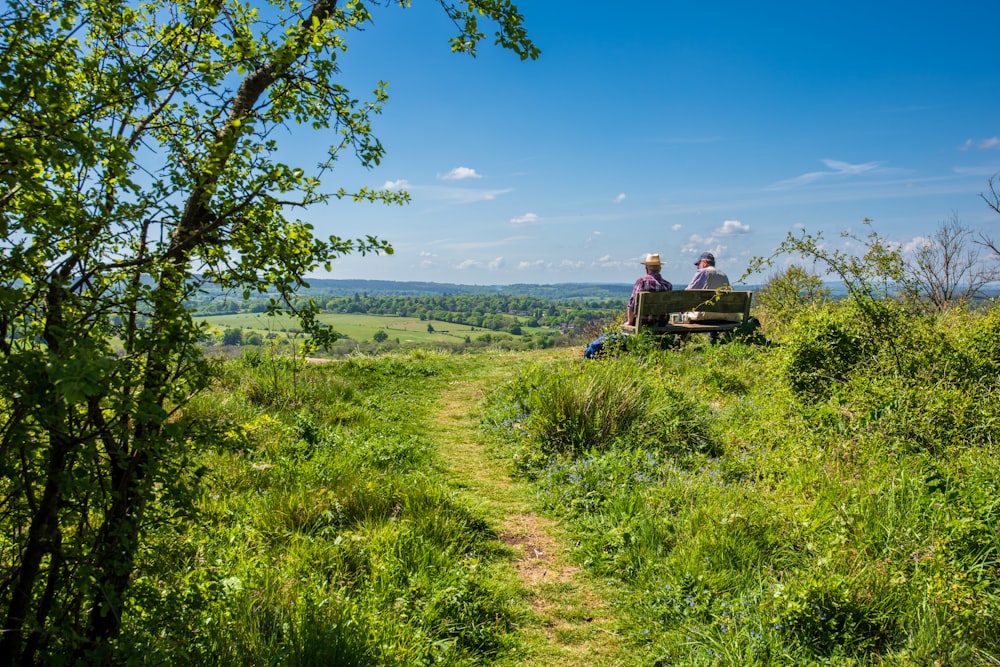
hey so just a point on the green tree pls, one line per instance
(875, 281)
(138, 162)
(232, 336)
(788, 292)
(380, 336)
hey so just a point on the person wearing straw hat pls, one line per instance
(651, 282)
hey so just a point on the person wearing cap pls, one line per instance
(651, 282)
(707, 276)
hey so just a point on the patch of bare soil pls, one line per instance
(529, 535)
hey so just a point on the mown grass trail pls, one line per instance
(571, 620)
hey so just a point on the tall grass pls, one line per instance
(830, 508)
(323, 533)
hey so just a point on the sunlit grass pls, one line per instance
(851, 529)
(731, 517)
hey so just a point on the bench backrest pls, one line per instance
(654, 308)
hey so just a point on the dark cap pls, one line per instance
(706, 257)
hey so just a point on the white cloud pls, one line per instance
(461, 195)
(732, 227)
(460, 173)
(677, 228)
(988, 170)
(837, 168)
(915, 244)
(401, 184)
(570, 264)
(619, 199)
(984, 144)
(526, 266)
(479, 245)
(469, 264)
(607, 262)
(525, 219)
(496, 264)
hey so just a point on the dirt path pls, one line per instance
(572, 622)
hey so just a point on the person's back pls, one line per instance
(707, 276)
(711, 278)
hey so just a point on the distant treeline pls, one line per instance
(497, 312)
(329, 287)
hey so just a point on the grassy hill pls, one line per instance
(829, 500)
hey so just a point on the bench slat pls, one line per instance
(654, 310)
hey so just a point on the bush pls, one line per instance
(824, 351)
(789, 293)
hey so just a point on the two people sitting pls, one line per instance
(707, 276)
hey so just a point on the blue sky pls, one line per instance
(668, 127)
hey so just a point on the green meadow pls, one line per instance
(361, 327)
(823, 491)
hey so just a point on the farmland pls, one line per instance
(394, 321)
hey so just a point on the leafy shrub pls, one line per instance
(823, 353)
(788, 293)
(827, 612)
(982, 345)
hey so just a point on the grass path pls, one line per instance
(572, 622)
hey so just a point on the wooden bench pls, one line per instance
(654, 310)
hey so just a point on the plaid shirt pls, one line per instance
(651, 282)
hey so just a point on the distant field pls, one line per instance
(361, 327)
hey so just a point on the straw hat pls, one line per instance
(652, 259)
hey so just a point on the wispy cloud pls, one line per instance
(619, 199)
(461, 195)
(982, 144)
(528, 265)
(836, 169)
(460, 174)
(608, 262)
(526, 219)
(684, 141)
(479, 245)
(677, 228)
(986, 170)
